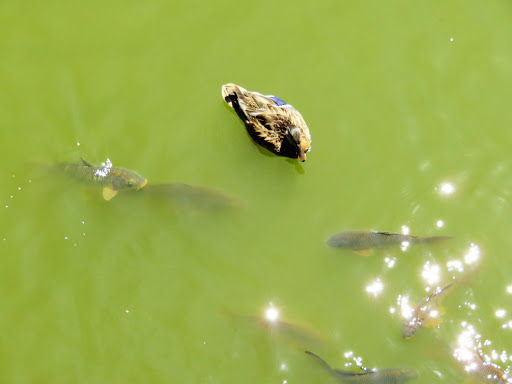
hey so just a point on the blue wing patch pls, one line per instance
(277, 100)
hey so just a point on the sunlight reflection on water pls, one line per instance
(469, 352)
(375, 287)
(431, 273)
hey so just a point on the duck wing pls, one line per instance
(270, 139)
(254, 103)
(245, 103)
(271, 127)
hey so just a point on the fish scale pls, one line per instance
(367, 240)
(382, 376)
(113, 179)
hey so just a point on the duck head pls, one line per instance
(294, 136)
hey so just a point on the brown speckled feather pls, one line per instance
(268, 122)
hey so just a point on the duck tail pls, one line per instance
(231, 94)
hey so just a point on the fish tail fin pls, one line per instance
(41, 169)
(435, 239)
(39, 164)
(232, 94)
(321, 361)
(228, 313)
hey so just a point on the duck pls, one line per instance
(270, 121)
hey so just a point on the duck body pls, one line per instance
(271, 122)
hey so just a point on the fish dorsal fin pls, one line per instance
(86, 163)
(385, 233)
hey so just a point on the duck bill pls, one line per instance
(300, 154)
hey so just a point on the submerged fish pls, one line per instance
(189, 196)
(381, 376)
(425, 314)
(487, 371)
(363, 242)
(271, 122)
(300, 336)
(112, 179)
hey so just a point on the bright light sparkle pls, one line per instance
(405, 245)
(473, 254)
(509, 289)
(406, 309)
(500, 313)
(283, 367)
(348, 354)
(392, 310)
(466, 345)
(434, 313)
(440, 223)
(455, 264)
(375, 287)
(105, 170)
(469, 352)
(446, 189)
(390, 262)
(405, 229)
(431, 273)
(271, 313)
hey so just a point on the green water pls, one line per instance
(399, 96)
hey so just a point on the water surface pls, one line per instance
(401, 98)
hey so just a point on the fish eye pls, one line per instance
(130, 184)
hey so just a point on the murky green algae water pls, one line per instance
(403, 100)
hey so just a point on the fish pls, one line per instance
(381, 376)
(112, 179)
(487, 371)
(364, 242)
(422, 314)
(189, 196)
(480, 366)
(271, 122)
(297, 335)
